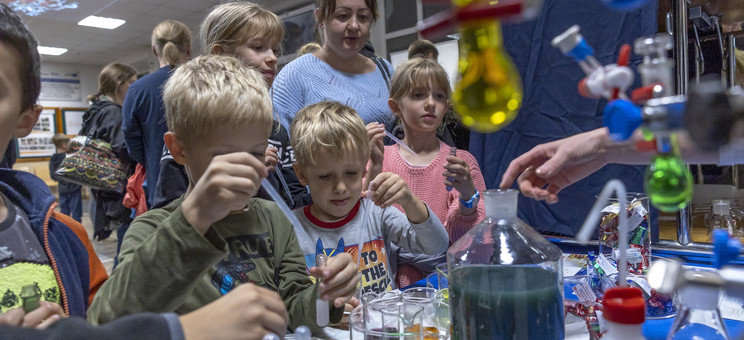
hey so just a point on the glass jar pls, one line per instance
(505, 278)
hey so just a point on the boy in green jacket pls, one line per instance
(183, 256)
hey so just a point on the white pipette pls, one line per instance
(395, 139)
(590, 224)
(285, 209)
(322, 308)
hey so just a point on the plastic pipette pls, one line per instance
(321, 307)
(285, 209)
(453, 152)
(395, 139)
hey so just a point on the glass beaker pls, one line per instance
(385, 320)
(505, 279)
(639, 232)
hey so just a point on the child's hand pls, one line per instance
(389, 188)
(13, 317)
(246, 312)
(228, 183)
(376, 134)
(457, 175)
(40, 318)
(339, 279)
(44, 316)
(272, 158)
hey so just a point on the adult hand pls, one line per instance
(548, 168)
(228, 183)
(246, 312)
(339, 279)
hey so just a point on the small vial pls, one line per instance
(271, 336)
(322, 312)
(453, 152)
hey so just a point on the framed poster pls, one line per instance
(71, 120)
(38, 144)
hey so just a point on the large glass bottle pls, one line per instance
(505, 279)
(488, 92)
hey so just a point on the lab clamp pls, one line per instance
(652, 108)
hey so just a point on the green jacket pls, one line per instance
(165, 265)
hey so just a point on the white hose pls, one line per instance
(592, 220)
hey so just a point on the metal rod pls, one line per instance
(679, 16)
(730, 60)
(731, 82)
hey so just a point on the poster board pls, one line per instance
(71, 120)
(38, 145)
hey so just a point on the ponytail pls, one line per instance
(172, 40)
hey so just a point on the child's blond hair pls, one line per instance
(59, 140)
(172, 40)
(212, 92)
(328, 127)
(415, 74)
(231, 23)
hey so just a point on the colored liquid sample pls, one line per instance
(668, 182)
(505, 302)
(488, 92)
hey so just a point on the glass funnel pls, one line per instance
(505, 279)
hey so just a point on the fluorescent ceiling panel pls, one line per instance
(101, 22)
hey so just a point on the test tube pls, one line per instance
(322, 312)
(453, 152)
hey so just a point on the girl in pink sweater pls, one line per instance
(448, 181)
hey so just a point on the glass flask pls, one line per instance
(505, 279)
(668, 182)
(488, 92)
(721, 218)
(698, 317)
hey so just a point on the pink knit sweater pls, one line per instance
(427, 183)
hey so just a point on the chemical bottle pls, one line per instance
(624, 311)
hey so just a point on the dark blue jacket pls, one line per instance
(76, 269)
(144, 123)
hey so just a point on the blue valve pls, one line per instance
(624, 5)
(725, 248)
(621, 117)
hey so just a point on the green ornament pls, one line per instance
(668, 183)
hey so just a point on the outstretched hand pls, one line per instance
(548, 168)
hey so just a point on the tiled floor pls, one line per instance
(105, 249)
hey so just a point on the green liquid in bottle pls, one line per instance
(668, 182)
(505, 302)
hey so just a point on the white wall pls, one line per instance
(88, 82)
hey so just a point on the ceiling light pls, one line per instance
(51, 50)
(101, 22)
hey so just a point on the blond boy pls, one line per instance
(199, 247)
(332, 150)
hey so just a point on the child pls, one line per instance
(252, 34)
(419, 96)
(40, 248)
(332, 150)
(201, 246)
(70, 195)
